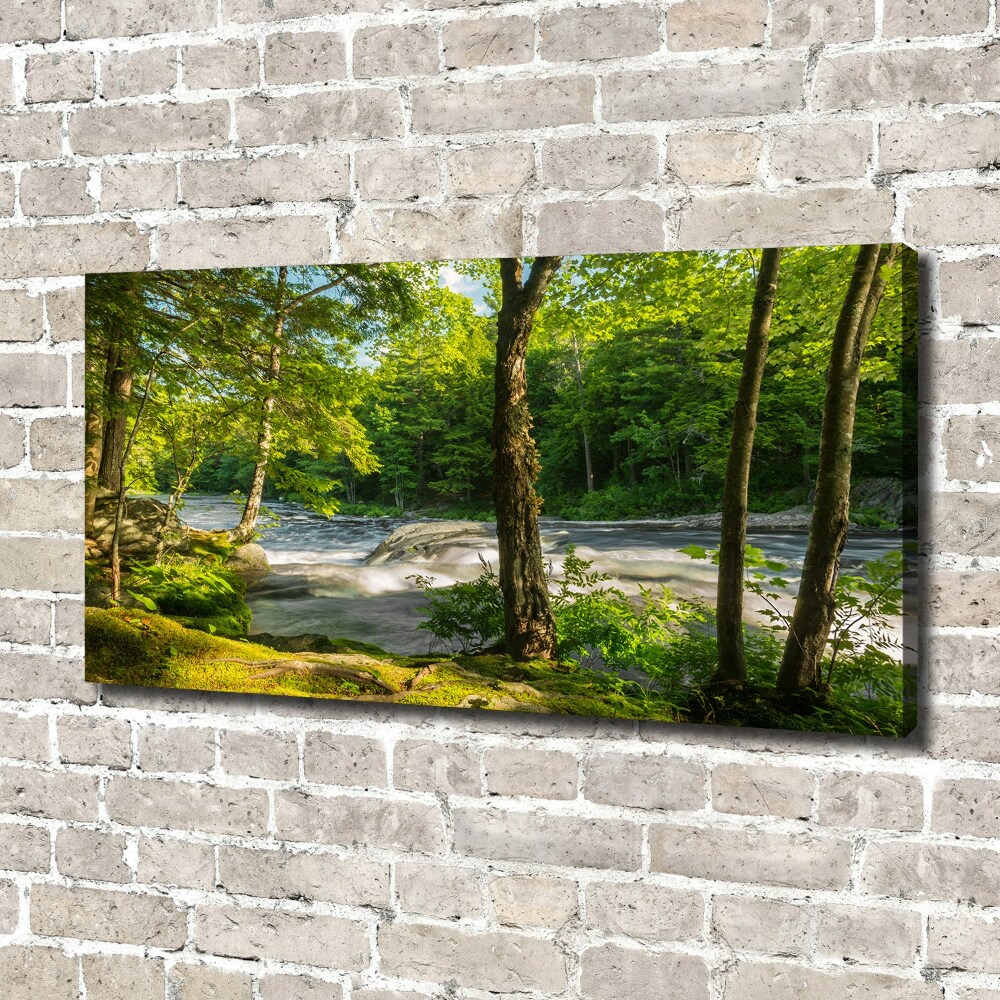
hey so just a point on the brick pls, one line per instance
(971, 289)
(170, 862)
(138, 73)
(601, 162)
(10, 907)
(964, 733)
(20, 317)
(396, 50)
(92, 854)
(765, 925)
(31, 20)
(230, 65)
(24, 848)
(252, 11)
(869, 936)
(542, 775)
(359, 113)
(961, 523)
(503, 104)
(59, 76)
(963, 942)
(953, 142)
(884, 801)
(95, 739)
(332, 759)
(821, 152)
(6, 195)
(806, 22)
(24, 620)
(904, 77)
(696, 25)
(180, 806)
(353, 881)
(11, 448)
(6, 83)
(619, 226)
(35, 136)
(24, 737)
(299, 988)
(955, 598)
(649, 782)
(139, 186)
(945, 367)
(644, 912)
(305, 57)
(495, 961)
(703, 91)
(488, 41)
(56, 191)
(47, 676)
(961, 665)
(116, 917)
(56, 444)
(466, 230)
(967, 807)
(64, 312)
(489, 169)
(751, 790)
(266, 179)
(350, 820)
(183, 748)
(611, 972)
(823, 217)
(590, 33)
(954, 215)
(533, 901)
(270, 754)
(55, 250)
(111, 977)
(95, 19)
(931, 871)
(448, 893)
(51, 564)
(547, 838)
(29, 973)
(149, 127)
(254, 242)
(312, 939)
(201, 982)
(800, 860)
(77, 380)
(792, 982)
(397, 174)
(912, 19)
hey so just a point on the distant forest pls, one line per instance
(633, 368)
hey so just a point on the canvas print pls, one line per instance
(676, 487)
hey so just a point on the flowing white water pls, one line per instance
(321, 584)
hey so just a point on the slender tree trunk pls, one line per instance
(118, 392)
(251, 509)
(529, 628)
(814, 606)
(729, 603)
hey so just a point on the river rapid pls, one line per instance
(323, 583)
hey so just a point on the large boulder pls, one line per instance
(148, 528)
(249, 563)
(427, 539)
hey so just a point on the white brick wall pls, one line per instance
(175, 845)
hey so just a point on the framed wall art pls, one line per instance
(676, 487)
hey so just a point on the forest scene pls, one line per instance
(677, 487)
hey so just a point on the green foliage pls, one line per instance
(467, 617)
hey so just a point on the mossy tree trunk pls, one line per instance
(812, 619)
(118, 379)
(729, 603)
(529, 628)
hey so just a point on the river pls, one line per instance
(321, 582)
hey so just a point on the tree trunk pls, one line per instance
(118, 392)
(815, 605)
(729, 604)
(529, 628)
(244, 531)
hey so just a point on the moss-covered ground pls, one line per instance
(130, 646)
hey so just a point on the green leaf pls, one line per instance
(695, 551)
